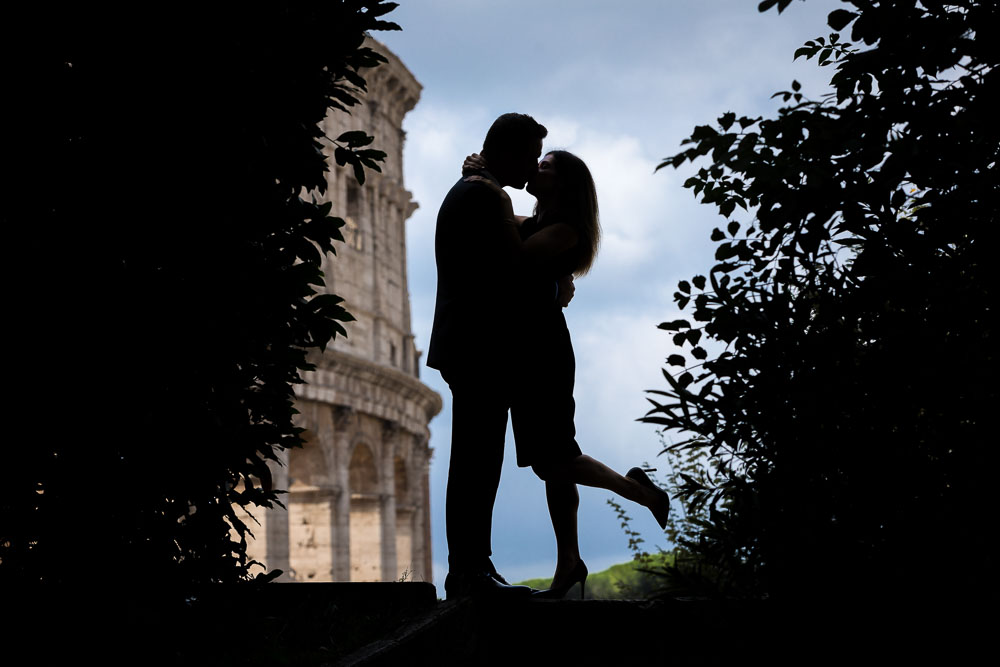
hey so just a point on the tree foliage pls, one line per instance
(846, 398)
(683, 571)
(171, 275)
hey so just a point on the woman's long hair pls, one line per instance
(576, 203)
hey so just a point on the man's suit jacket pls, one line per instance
(474, 312)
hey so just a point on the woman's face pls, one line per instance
(544, 180)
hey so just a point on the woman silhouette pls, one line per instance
(560, 239)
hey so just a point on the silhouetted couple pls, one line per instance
(501, 343)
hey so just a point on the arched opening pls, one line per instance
(306, 464)
(404, 522)
(362, 473)
(366, 516)
(310, 512)
(353, 235)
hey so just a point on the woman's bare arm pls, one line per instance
(544, 244)
(548, 242)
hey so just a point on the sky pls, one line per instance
(621, 83)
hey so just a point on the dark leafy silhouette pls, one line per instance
(171, 263)
(843, 351)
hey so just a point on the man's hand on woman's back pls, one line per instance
(566, 290)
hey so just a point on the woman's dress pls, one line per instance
(542, 409)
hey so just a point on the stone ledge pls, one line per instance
(112, 623)
(678, 631)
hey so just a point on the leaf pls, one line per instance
(865, 83)
(324, 301)
(767, 4)
(355, 138)
(372, 154)
(839, 18)
(676, 360)
(356, 79)
(380, 9)
(343, 96)
(706, 389)
(733, 228)
(898, 198)
(724, 251)
(699, 282)
(803, 51)
(684, 286)
(265, 577)
(385, 25)
(674, 325)
(702, 132)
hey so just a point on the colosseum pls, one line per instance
(358, 491)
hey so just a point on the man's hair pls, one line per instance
(512, 132)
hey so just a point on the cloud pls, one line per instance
(613, 319)
(619, 357)
(621, 85)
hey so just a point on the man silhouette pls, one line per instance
(472, 345)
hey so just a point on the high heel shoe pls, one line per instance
(661, 510)
(579, 574)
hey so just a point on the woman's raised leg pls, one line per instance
(590, 472)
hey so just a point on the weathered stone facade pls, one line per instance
(358, 496)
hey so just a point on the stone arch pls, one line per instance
(354, 200)
(307, 468)
(365, 516)
(310, 511)
(362, 472)
(405, 562)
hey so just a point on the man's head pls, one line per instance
(512, 148)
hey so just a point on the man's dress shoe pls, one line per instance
(481, 584)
